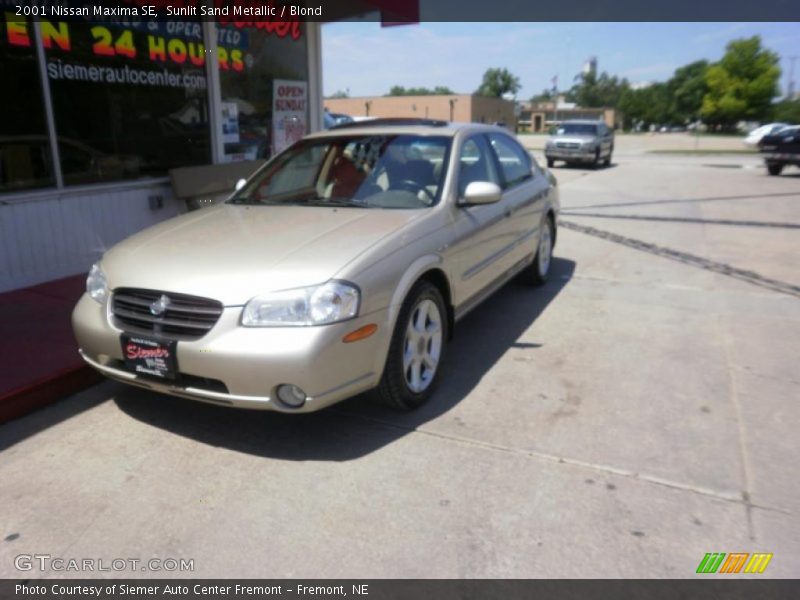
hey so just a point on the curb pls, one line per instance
(33, 396)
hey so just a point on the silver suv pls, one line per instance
(584, 142)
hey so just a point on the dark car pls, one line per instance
(781, 149)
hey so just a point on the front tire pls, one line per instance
(416, 350)
(550, 163)
(539, 270)
(774, 168)
(596, 162)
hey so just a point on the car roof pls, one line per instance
(582, 122)
(422, 127)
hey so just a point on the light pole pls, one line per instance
(790, 85)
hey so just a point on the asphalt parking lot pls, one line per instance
(639, 411)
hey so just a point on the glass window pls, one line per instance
(475, 164)
(577, 129)
(25, 160)
(515, 162)
(264, 87)
(128, 100)
(373, 171)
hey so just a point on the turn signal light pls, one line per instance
(360, 334)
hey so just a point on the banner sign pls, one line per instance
(289, 113)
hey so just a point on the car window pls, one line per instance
(577, 129)
(475, 164)
(371, 171)
(515, 162)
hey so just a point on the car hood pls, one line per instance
(232, 253)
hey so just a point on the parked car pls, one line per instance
(341, 118)
(341, 266)
(584, 142)
(781, 149)
(755, 136)
(330, 119)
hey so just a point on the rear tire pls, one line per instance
(774, 168)
(416, 350)
(538, 272)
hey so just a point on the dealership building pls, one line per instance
(467, 108)
(114, 125)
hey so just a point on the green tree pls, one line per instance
(741, 85)
(787, 111)
(497, 82)
(439, 90)
(545, 96)
(646, 106)
(688, 87)
(339, 94)
(593, 91)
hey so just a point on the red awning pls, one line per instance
(397, 12)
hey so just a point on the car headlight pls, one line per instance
(96, 285)
(589, 145)
(317, 305)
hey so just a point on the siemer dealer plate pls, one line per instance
(147, 356)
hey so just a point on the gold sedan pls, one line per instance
(341, 266)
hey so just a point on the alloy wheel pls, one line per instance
(422, 348)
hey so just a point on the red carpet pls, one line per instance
(39, 360)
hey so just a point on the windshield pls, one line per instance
(363, 171)
(577, 129)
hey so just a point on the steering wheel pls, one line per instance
(415, 188)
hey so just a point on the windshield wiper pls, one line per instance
(318, 201)
(337, 202)
(246, 201)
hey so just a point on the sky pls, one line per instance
(366, 59)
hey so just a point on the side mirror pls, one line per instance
(240, 184)
(481, 192)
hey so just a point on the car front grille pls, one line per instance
(183, 318)
(568, 145)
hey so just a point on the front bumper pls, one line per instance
(568, 154)
(781, 157)
(243, 366)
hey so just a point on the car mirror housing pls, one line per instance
(481, 192)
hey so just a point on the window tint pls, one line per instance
(24, 144)
(263, 84)
(475, 164)
(126, 102)
(515, 163)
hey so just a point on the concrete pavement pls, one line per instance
(637, 412)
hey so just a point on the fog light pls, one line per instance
(291, 395)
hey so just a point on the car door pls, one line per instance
(524, 199)
(479, 229)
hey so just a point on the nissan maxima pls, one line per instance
(341, 266)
